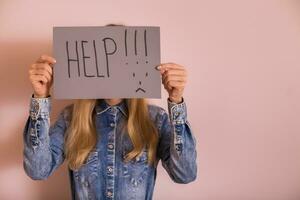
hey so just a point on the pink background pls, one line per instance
(243, 91)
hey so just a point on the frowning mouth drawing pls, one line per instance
(140, 89)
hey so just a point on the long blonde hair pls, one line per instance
(82, 137)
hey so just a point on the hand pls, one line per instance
(174, 78)
(40, 76)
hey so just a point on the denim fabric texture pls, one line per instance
(105, 175)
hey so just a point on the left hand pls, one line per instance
(174, 78)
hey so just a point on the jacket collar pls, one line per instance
(102, 107)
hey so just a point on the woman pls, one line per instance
(112, 146)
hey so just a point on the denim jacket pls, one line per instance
(104, 174)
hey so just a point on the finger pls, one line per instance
(169, 66)
(177, 70)
(45, 58)
(41, 78)
(41, 72)
(38, 78)
(176, 84)
(177, 77)
(171, 69)
(174, 72)
(174, 78)
(42, 66)
(160, 69)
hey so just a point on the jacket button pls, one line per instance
(110, 146)
(109, 169)
(109, 194)
(112, 125)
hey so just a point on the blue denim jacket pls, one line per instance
(105, 175)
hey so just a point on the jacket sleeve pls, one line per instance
(43, 145)
(177, 145)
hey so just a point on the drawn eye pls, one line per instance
(133, 74)
(146, 74)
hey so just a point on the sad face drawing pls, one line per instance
(140, 88)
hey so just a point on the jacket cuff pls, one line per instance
(177, 112)
(39, 107)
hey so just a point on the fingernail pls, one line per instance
(54, 61)
(158, 67)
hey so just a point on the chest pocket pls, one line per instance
(88, 172)
(135, 170)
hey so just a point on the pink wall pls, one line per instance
(243, 91)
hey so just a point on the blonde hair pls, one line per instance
(81, 135)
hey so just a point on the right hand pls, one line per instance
(40, 76)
